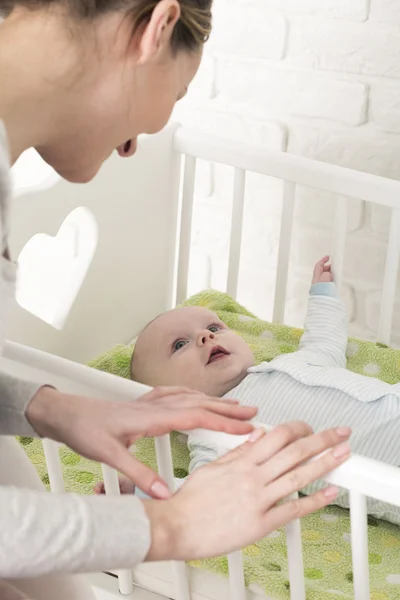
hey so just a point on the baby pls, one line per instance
(192, 347)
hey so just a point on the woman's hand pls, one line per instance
(103, 431)
(233, 501)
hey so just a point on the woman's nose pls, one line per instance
(205, 336)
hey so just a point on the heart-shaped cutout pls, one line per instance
(52, 269)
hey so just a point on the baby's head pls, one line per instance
(191, 347)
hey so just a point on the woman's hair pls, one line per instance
(190, 33)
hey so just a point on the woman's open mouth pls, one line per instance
(128, 148)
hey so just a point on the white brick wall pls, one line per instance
(319, 78)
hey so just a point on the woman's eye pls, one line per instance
(214, 328)
(179, 344)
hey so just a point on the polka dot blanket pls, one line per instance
(326, 534)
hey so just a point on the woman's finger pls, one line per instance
(265, 448)
(189, 400)
(302, 449)
(299, 478)
(193, 418)
(118, 457)
(163, 391)
(243, 449)
(262, 444)
(228, 409)
(296, 509)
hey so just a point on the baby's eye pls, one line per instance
(178, 345)
(214, 328)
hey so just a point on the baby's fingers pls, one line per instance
(99, 488)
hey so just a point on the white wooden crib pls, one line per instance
(143, 209)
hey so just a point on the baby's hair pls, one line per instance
(135, 351)
(131, 368)
(191, 31)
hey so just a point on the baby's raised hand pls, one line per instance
(322, 271)
(125, 486)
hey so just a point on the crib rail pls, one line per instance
(345, 183)
(361, 476)
(293, 171)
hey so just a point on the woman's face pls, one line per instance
(128, 87)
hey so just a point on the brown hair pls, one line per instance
(190, 33)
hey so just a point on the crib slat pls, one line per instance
(285, 238)
(237, 588)
(54, 469)
(295, 558)
(236, 231)
(166, 470)
(359, 545)
(185, 228)
(339, 240)
(110, 477)
(390, 280)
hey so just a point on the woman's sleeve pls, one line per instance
(44, 533)
(15, 395)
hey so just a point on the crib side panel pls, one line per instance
(130, 280)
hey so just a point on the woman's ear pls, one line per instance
(156, 35)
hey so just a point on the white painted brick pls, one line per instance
(368, 47)
(247, 31)
(385, 107)
(298, 293)
(242, 94)
(256, 291)
(385, 10)
(281, 91)
(372, 311)
(356, 10)
(360, 149)
(311, 244)
(317, 208)
(211, 226)
(198, 270)
(203, 84)
(217, 121)
(260, 238)
(264, 196)
(219, 118)
(379, 220)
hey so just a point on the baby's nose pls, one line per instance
(205, 336)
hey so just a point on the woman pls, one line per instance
(80, 78)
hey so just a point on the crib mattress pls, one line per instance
(326, 546)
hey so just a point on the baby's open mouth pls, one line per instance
(217, 353)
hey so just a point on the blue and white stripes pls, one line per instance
(312, 385)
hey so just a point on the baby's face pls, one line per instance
(191, 347)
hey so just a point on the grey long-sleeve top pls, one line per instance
(43, 533)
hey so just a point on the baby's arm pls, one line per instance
(200, 454)
(325, 337)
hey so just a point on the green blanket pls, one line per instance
(327, 551)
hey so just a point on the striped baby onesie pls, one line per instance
(312, 385)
